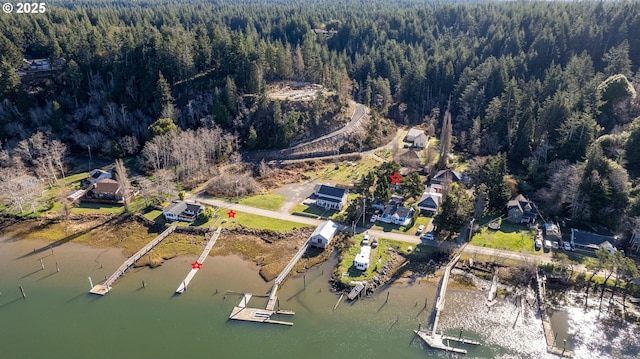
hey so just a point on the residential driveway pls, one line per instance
(295, 194)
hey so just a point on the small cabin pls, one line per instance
(323, 235)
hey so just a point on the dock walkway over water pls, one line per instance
(435, 340)
(104, 288)
(196, 266)
(546, 321)
(285, 272)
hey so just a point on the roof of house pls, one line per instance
(589, 238)
(453, 175)
(523, 205)
(414, 132)
(177, 207)
(410, 155)
(97, 173)
(107, 185)
(330, 191)
(397, 210)
(430, 200)
(326, 230)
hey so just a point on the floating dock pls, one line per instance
(196, 266)
(355, 291)
(436, 342)
(242, 312)
(546, 322)
(102, 289)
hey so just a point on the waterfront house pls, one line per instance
(105, 190)
(95, 176)
(329, 197)
(521, 210)
(591, 241)
(323, 235)
(417, 138)
(182, 211)
(397, 214)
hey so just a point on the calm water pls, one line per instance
(59, 319)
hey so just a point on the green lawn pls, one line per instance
(379, 256)
(255, 221)
(390, 227)
(510, 237)
(269, 201)
(97, 208)
(345, 172)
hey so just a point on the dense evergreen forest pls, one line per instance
(550, 86)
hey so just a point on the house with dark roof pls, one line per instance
(446, 175)
(591, 241)
(521, 210)
(182, 211)
(397, 214)
(105, 190)
(429, 202)
(329, 197)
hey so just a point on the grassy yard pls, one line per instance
(270, 201)
(510, 237)
(389, 227)
(379, 256)
(96, 208)
(345, 172)
(257, 222)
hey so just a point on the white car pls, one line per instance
(420, 228)
(567, 246)
(428, 236)
(538, 244)
(365, 241)
(547, 244)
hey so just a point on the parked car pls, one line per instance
(428, 236)
(365, 241)
(374, 243)
(538, 244)
(547, 244)
(374, 218)
(567, 246)
(555, 245)
(420, 229)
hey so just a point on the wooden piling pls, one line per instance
(144, 284)
(338, 302)
(24, 295)
(387, 298)
(41, 264)
(304, 281)
(90, 283)
(57, 267)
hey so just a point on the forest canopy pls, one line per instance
(539, 82)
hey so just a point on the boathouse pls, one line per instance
(323, 235)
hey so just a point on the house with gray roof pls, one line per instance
(397, 214)
(182, 211)
(323, 235)
(591, 241)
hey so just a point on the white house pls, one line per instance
(397, 214)
(361, 262)
(182, 211)
(417, 137)
(323, 235)
(329, 197)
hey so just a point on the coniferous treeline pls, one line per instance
(538, 81)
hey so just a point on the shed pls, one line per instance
(323, 235)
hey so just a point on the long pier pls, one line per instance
(196, 266)
(435, 340)
(273, 298)
(102, 289)
(546, 321)
(243, 312)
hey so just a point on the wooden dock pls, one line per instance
(102, 289)
(203, 256)
(442, 292)
(355, 291)
(546, 322)
(437, 342)
(244, 313)
(273, 298)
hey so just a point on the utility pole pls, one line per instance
(471, 229)
(364, 206)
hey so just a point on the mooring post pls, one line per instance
(24, 295)
(144, 284)
(90, 283)
(460, 336)
(554, 339)
(57, 267)
(304, 281)
(387, 297)
(184, 284)
(41, 264)
(565, 347)
(419, 326)
(425, 302)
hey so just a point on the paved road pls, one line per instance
(407, 238)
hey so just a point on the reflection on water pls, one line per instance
(152, 322)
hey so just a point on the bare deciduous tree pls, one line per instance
(123, 180)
